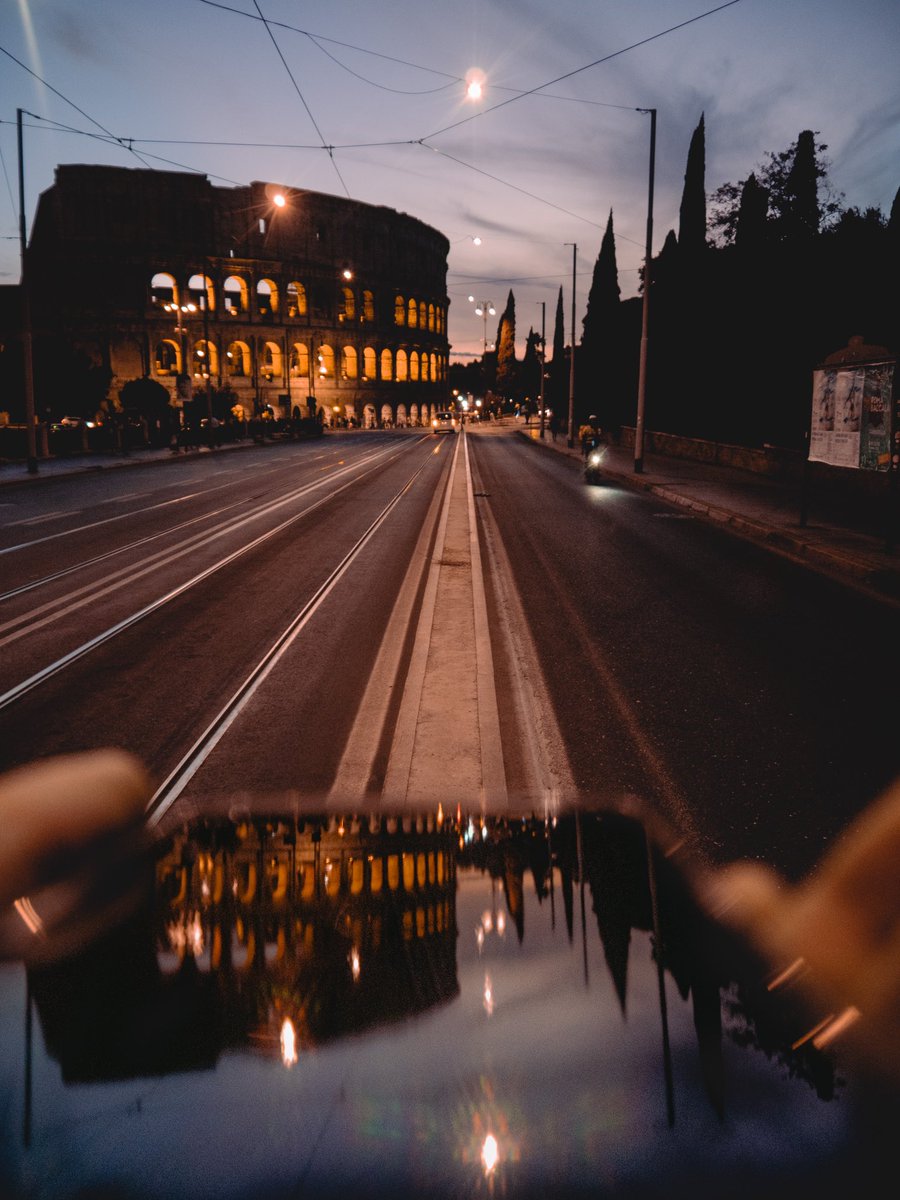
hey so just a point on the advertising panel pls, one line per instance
(851, 416)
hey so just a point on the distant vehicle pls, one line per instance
(443, 422)
(593, 464)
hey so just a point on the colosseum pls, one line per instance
(294, 302)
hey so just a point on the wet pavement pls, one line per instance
(850, 542)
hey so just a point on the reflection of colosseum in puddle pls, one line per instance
(315, 930)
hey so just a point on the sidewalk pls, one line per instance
(849, 546)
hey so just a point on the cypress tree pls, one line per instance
(692, 214)
(750, 230)
(600, 341)
(557, 371)
(603, 298)
(506, 349)
(802, 214)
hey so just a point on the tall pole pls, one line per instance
(543, 305)
(571, 437)
(645, 319)
(27, 358)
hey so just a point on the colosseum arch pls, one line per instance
(236, 295)
(271, 363)
(414, 366)
(267, 297)
(206, 358)
(349, 363)
(167, 357)
(300, 360)
(387, 365)
(296, 299)
(202, 292)
(412, 317)
(326, 362)
(402, 368)
(399, 311)
(369, 363)
(237, 360)
(163, 289)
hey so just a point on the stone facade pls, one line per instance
(293, 300)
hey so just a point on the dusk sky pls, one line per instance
(368, 101)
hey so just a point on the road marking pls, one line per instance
(169, 791)
(46, 517)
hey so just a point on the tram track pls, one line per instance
(31, 621)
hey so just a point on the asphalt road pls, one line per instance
(225, 618)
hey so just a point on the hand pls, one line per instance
(837, 935)
(70, 840)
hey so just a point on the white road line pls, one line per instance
(46, 517)
(169, 791)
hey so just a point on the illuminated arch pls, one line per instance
(326, 362)
(348, 305)
(414, 365)
(163, 289)
(267, 297)
(296, 299)
(300, 360)
(368, 306)
(412, 317)
(168, 357)
(206, 359)
(399, 310)
(387, 365)
(431, 317)
(202, 292)
(349, 363)
(271, 365)
(235, 294)
(402, 369)
(237, 360)
(369, 363)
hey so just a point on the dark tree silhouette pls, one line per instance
(692, 214)
(558, 367)
(597, 375)
(506, 379)
(752, 213)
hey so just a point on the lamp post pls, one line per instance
(571, 434)
(543, 356)
(482, 309)
(645, 319)
(184, 384)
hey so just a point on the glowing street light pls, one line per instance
(475, 80)
(482, 309)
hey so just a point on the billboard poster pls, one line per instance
(851, 416)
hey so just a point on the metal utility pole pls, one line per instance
(645, 319)
(571, 437)
(543, 305)
(27, 357)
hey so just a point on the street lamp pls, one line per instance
(185, 385)
(571, 432)
(483, 309)
(543, 355)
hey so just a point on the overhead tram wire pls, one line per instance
(317, 39)
(578, 70)
(325, 145)
(123, 142)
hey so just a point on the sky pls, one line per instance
(368, 100)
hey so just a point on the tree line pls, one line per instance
(762, 281)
